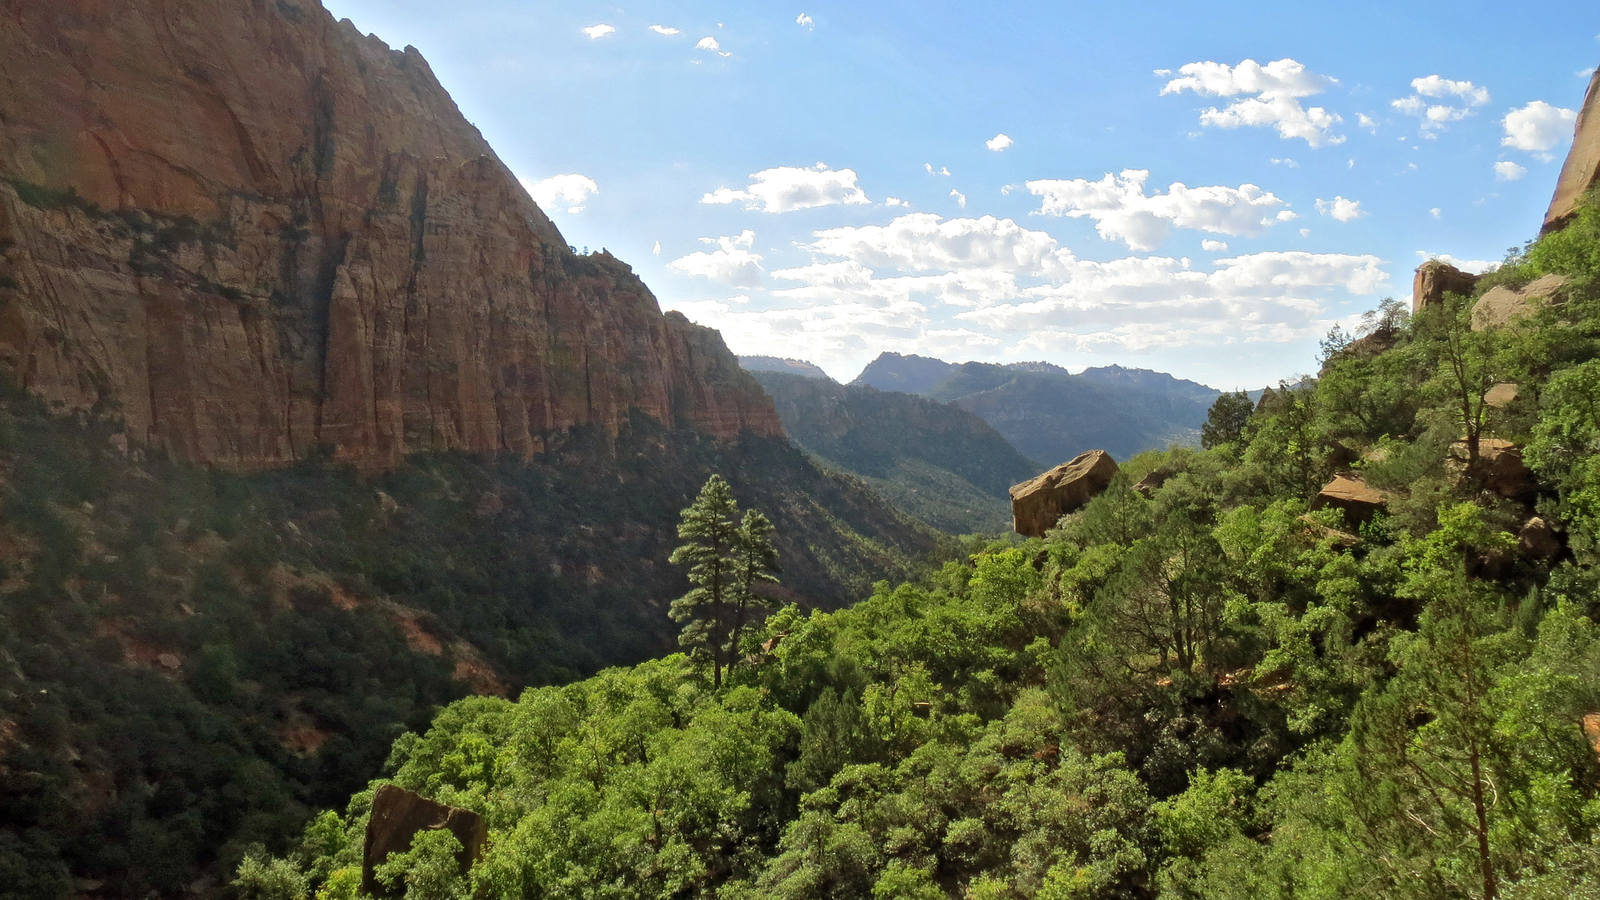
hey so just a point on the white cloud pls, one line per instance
(1284, 161)
(960, 198)
(1367, 122)
(1537, 127)
(1211, 246)
(942, 170)
(596, 32)
(786, 188)
(1585, 73)
(1123, 212)
(805, 21)
(1506, 170)
(710, 45)
(731, 263)
(1305, 232)
(1278, 87)
(667, 30)
(1340, 209)
(923, 242)
(1436, 212)
(895, 201)
(656, 250)
(1438, 101)
(569, 190)
(999, 142)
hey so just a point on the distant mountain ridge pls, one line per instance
(935, 461)
(1051, 415)
(782, 364)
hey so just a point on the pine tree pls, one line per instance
(727, 556)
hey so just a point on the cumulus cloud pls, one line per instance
(943, 171)
(710, 45)
(1367, 122)
(923, 242)
(786, 188)
(732, 262)
(1340, 208)
(1474, 266)
(1437, 101)
(999, 142)
(960, 198)
(596, 32)
(805, 21)
(895, 201)
(667, 30)
(1436, 212)
(1270, 97)
(1211, 246)
(569, 190)
(1506, 170)
(656, 250)
(1284, 161)
(1122, 211)
(1537, 127)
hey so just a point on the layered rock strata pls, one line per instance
(1036, 504)
(259, 236)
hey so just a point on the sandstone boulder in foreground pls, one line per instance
(1037, 504)
(398, 814)
(1359, 500)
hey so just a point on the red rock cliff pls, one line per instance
(259, 233)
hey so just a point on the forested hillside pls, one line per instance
(935, 461)
(1214, 691)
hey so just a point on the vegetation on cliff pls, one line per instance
(1212, 691)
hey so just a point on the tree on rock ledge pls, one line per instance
(727, 556)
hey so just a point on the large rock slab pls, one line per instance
(1582, 168)
(261, 236)
(1501, 306)
(1434, 279)
(398, 814)
(1500, 467)
(1036, 504)
(1359, 500)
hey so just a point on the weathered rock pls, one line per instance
(1320, 532)
(1500, 468)
(1434, 279)
(262, 236)
(1538, 540)
(1501, 395)
(1359, 500)
(1501, 305)
(1152, 482)
(1037, 504)
(398, 814)
(1582, 168)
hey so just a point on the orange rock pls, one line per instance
(1037, 504)
(1359, 500)
(264, 236)
(1582, 168)
(1434, 279)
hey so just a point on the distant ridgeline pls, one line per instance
(934, 460)
(1051, 415)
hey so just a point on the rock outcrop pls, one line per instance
(397, 816)
(1582, 168)
(258, 235)
(1434, 279)
(1500, 468)
(1501, 305)
(1037, 504)
(1359, 500)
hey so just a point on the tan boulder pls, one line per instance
(1582, 168)
(1359, 500)
(398, 814)
(1501, 305)
(1036, 504)
(1434, 279)
(1501, 395)
(1538, 539)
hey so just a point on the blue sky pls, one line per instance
(1202, 189)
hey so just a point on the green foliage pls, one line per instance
(1226, 419)
(261, 877)
(426, 871)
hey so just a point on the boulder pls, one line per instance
(1501, 305)
(1500, 467)
(1359, 500)
(1538, 539)
(1582, 169)
(1152, 482)
(1434, 279)
(1501, 395)
(1037, 504)
(398, 814)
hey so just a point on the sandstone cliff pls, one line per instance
(1582, 168)
(260, 235)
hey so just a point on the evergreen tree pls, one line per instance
(1226, 420)
(727, 556)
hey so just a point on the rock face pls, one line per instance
(258, 235)
(1582, 169)
(1359, 500)
(1501, 305)
(1434, 279)
(1038, 503)
(398, 814)
(1500, 467)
